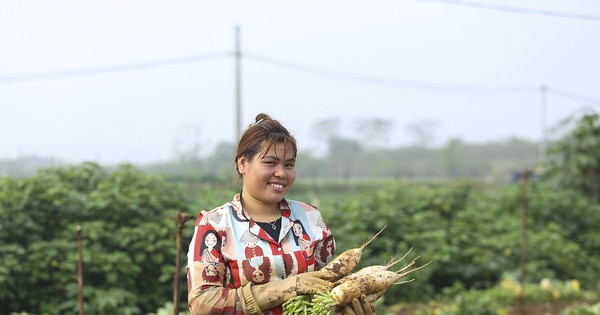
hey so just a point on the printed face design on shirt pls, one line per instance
(257, 269)
(229, 281)
(211, 270)
(210, 241)
(298, 229)
(209, 249)
(301, 237)
(251, 241)
(258, 276)
(210, 273)
(326, 251)
(269, 176)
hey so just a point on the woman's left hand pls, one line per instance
(360, 307)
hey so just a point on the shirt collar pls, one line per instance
(284, 206)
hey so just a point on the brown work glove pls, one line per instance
(360, 307)
(261, 297)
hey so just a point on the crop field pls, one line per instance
(519, 248)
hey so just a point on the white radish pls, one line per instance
(368, 284)
(344, 263)
(372, 269)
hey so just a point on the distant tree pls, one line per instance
(26, 165)
(343, 155)
(422, 132)
(374, 132)
(220, 162)
(308, 166)
(453, 155)
(573, 161)
(326, 129)
(187, 146)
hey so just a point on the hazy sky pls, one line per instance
(120, 80)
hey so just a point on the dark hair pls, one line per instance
(304, 232)
(217, 245)
(262, 135)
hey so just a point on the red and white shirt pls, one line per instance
(228, 250)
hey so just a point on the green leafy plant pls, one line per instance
(129, 240)
(582, 310)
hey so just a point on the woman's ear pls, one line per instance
(241, 164)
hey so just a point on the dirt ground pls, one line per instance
(538, 309)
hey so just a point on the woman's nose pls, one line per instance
(280, 171)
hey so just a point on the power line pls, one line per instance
(573, 96)
(392, 82)
(45, 76)
(517, 10)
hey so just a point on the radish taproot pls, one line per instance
(370, 283)
(345, 262)
(373, 269)
(344, 293)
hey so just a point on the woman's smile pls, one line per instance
(268, 176)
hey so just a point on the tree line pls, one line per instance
(362, 154)
(347, 158)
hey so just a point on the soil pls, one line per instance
(537, 309)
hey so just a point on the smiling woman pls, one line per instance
(269, 248)
(269, 174)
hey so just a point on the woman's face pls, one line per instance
(267, 178)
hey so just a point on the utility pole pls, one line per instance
(238, 85)
(543, 111)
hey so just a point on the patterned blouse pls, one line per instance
(228, 250)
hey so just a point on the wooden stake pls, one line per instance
(523, 263)
(180, 218)
(80, 268)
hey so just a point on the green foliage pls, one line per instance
(472, 234)
(582, 310)
(507, 294)
(574, 160)
(129, 240)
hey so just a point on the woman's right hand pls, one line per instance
(275, 293)
(310, 283)
(360, 307)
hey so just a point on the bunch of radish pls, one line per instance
(371, 281)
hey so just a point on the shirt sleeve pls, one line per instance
(325, 249)
(206, 273)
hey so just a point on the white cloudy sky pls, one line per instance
(130, 80)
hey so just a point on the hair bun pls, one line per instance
(261, 116)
